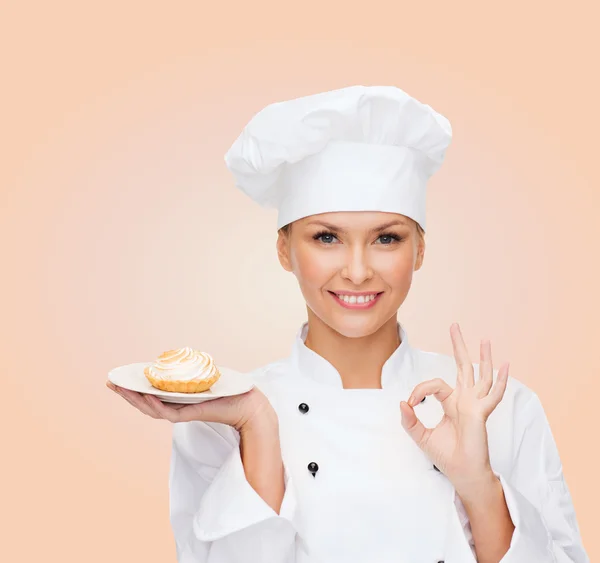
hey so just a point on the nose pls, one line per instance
(357, 268)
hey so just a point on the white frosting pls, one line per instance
(183, 364)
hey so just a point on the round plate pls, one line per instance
(132, 377)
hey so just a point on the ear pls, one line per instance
(420, 253)
(283, 251)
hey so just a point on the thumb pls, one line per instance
(413, 426)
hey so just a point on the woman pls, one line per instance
(357, 447)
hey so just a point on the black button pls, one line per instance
(423, 399)
(436, 470)
(313, 468)
(303, 408)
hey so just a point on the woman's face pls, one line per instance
(354, 268)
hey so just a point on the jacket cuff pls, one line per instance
(531, 540)
(231, 504)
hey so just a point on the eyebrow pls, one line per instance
(373, 230)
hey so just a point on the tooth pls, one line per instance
(361, 299)
(352, 299)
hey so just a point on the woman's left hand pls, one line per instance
(458, 445)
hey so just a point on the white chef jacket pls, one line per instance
(375, 496)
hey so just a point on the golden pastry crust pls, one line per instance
(176, 386)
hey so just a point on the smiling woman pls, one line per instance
(346, 261)
(358, 447)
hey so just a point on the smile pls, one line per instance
(357, 301)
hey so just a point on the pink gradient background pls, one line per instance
(122, 233)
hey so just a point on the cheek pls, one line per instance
(396, 269)
(312, 268)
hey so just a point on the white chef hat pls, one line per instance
(361, 148)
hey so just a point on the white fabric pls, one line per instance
(376, 497)
(361, 148)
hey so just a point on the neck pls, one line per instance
(358, 360)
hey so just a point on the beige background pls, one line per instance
(122, 234)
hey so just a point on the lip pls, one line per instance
(360, 306)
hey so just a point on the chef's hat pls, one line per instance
(361, 148)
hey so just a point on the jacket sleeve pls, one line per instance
(537, 496)
(215, 514)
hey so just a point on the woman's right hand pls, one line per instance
(238, 411)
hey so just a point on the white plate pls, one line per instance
(132, 377)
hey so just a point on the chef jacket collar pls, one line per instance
(398, 369)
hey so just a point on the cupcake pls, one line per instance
(184, 370)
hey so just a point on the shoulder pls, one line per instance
(278, 381)
(269, 372)
(272, 378)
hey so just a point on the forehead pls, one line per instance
(354, 220)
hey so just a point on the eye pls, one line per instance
(389, 238)
(325, 237)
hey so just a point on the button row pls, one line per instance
(313, 467)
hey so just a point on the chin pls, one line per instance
(355, 327)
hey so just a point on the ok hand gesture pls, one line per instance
(458, 445)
